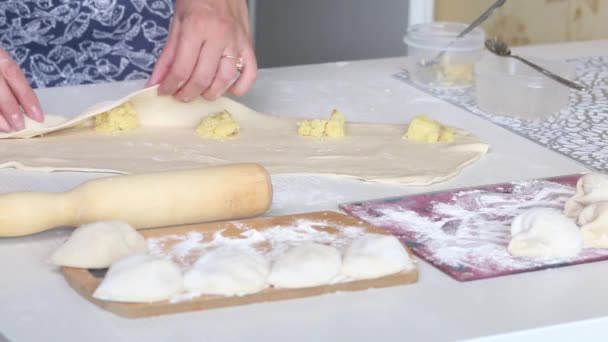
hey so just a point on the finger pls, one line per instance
(206, 69)
(249, 74)
(186, 56)
(10, 108)
(225, 77)
(166, 56)
(4, 126)
(20, 88)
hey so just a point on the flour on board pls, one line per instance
(271, 242)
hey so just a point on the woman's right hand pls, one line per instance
(15, 95)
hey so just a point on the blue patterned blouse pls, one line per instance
(69, 42)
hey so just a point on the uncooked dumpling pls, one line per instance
(544, 233)
(140, 279)
(375, 255)
(594, 225)
(228, 273)
(306, 265)
(99, 244)
(591, 188)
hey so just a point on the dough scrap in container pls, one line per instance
(590, 188)
(375, 255)
(228, 273)
(99, 244)
(544, 233)
(306, 265)
(140, 279)
(450, 72)
(593, 221)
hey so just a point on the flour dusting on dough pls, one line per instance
(184, 249)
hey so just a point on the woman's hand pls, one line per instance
(201, 56)
(15, 95)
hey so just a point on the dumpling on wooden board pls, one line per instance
(140, 279)
(306, 265)
(374, 256)
(228, 272)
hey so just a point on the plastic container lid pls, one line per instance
(438, 35)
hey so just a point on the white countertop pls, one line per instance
(37, 304)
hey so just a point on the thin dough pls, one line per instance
(590, 188)
(310, 264)
(375, 255)
(99, 244)
(228, 273)
(594, 225)
(140, 279)
(544, 233)
(167, 140)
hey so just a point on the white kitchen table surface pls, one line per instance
(36, 304)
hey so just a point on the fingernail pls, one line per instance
(36, 113)
(180, 84)
(151, 82)
(17, 121)
(184, 99)
(5, 127)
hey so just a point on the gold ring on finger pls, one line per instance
(239, 62)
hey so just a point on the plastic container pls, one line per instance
(508, 87)
(455, 68)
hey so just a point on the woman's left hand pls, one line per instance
(208, 42)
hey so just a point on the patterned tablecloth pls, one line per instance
(579, 132)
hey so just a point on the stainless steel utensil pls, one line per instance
(500, 48)
(471, 27)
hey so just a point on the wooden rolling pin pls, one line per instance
(143, 200)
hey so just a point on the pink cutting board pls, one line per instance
(465, 232)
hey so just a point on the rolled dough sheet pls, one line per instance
(167, 140)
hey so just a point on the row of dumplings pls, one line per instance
(136, 276)
(549, 233)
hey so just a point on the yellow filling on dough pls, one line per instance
(117, 119)
(218, 126)
(424, 129)
(334, 127)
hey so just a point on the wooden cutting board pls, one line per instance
(334, 225)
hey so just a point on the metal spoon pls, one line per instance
(483, 17)
(500, 48)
